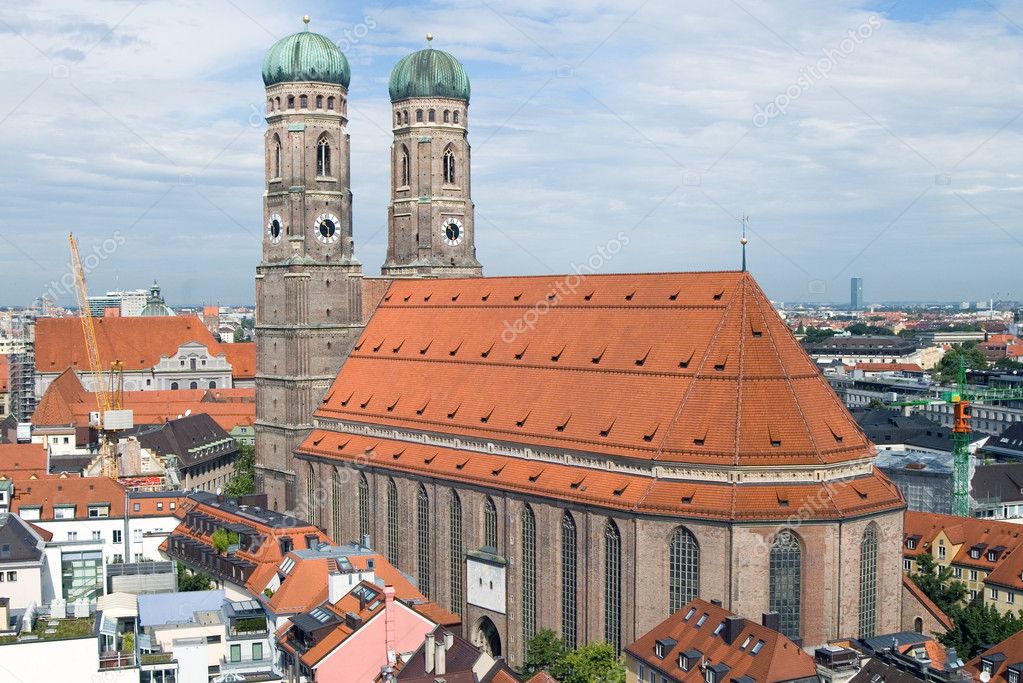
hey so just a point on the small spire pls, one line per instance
(744, 242)
(305, 20)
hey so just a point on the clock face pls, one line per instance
(452, 230)
(274, 228)
(326, 228)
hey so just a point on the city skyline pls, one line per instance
(163, 147)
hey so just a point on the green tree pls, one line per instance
(937, 583)
(239, 334)
(978, 625)
(222, 538)
(864, 328)
(544, 652)
(948, 366)
(190, 581)
(818, 334)
(128, 642)
(1008, 364)
(243, 480)
(594, 662)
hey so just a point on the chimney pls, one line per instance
(440, 659)
(389, 623)
(430, 653)
(771, 620)
(365, 541)
(335, 591)
(449, 640)
(733, 627)
(716, 602)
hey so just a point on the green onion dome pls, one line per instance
(429, 73)
(304, 57)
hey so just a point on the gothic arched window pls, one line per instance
(277, 103)
(447, 115)
(432, 115)
(303, 101)
(569, 581)
(423, 540)
(323, 157)
(392, 522)
(455, 116)
(174, 386)
(330, 103)
(449, 166)
(363, 506)
(490, 523)
(528, 574)
(786, 582)
(213, 385)
(335, 503)
(868, 583)
(310, 495)
(193, 385)
(419, 115)
(404, 166)
(319, 101)
(613, 585)
(404, 116)
(456, 553)
(683, 569)
(291, 101)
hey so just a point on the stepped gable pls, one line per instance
(686, 368)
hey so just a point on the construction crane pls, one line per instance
(108, 387)
(961, 400)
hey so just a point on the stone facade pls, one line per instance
(308, 284)
(431, 223)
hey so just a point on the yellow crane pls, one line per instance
(109, 390)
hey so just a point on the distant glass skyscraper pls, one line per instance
(856, 293)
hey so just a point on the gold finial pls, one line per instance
(306, 20)
(429, 37)
(744, 241)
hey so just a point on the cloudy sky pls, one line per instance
(876, 139)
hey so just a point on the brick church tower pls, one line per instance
(431, 231)
(308, 283)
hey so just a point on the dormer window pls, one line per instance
(975, 554)
(659, 650)
(992, 556)
(911, 544)
(1013, 676)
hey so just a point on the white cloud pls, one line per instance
(586, 119)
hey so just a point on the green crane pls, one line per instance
(961, 399)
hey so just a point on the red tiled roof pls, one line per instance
(927, 603)
(66, 402)
(19, 460)
(613, 489)
(660, 367)
(777, 658)
(242, 357)
(138, 343)
(1011, 648)
(965, 532)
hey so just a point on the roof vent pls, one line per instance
(486, 418)
(377, 347)
(641, 361)
(462, 464)
(564, 423)
(557, 356)
(596, 359)
(522, 421)
(717, 296)
(454, 351)
(648, 435)
(398, 453)
(628, 297)
(422, 408)
(607, 428)
(497, 470)
(673, 297)
(366, 402)
(390, 408)
(520, 354)
(423, 350)
(454, 411)
(455, 296)
(486, 352)
(397, 348)
(536, 475)
(684, 363)
(621, 489)
(485, 296)
(518, 296)
(429, 461)
(589, 296)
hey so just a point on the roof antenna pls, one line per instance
(744, 241)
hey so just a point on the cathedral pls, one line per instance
(584, 453)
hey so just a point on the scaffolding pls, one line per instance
(22, 380)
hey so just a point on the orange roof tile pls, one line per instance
(612, 489)
(242, 357)
(1012, 650)
(658, 367)
(776, 658)
(967, 532)
(138, 343)
(20, 460)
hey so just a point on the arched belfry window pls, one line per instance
(455, 115)
(335, 503)
(868, 583)
(432, 115)
(277, 157)
(404, 166)
(323, 157)
(419, 115)
(303, 101)
(683, 569)
(569, 581)
(423, 540)
(447, 115)
(319, 101)
(528, 574)
(613, 585)
(786, 582)
(490, 523)
(449, 165)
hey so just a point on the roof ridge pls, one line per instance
(739, 375)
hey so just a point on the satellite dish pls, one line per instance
(984, 677)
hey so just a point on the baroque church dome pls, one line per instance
(306, 56)
(429, 73)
